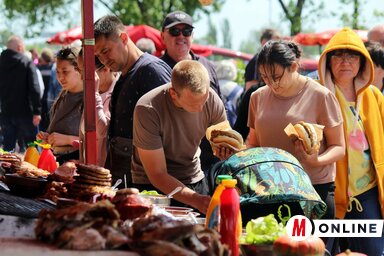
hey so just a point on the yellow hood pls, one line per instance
(346, 39)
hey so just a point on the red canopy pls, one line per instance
(144, 31)
(322, 38)
(229, 53)
(66, 37)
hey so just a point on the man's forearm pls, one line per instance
(167, 183)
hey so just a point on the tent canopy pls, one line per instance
(322, 38)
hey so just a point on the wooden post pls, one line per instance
(90, 144)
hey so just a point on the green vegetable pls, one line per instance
(263, 230)
(149, 192)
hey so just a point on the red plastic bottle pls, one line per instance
(230, 226)
(47, 160)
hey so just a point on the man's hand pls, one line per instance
(222, 152)
(200, 202)
(155, 167)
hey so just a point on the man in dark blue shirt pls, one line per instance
(140, 73)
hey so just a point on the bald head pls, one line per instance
(16, 43)
(376, 34)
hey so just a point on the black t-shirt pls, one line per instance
(250, 70)
(241, 124)
(214, 82)
(147, 73)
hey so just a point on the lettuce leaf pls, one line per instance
(263, 230)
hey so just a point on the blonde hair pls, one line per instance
(191, 75)
(226, 70)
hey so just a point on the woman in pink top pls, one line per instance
(290, 97)
(105, 81)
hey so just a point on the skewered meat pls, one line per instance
(82, 227)
(156, 234)
(162, 248)
(131, 206)
(161, 227)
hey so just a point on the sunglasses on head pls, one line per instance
(176, 31)
(64, 53)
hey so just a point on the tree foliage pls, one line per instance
(227, 35)
(211, 37)
(252, 44)
(38, 13)
(151, 12)
(352, 17)
(293, 11)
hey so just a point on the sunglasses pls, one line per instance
(350, 58)
(64, 53)
(176, 31)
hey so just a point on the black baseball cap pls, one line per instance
(177, 17)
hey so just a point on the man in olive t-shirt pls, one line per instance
(169, 123)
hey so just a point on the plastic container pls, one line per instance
(230, 226)
(32, 155)
(47, 160)
(213, 217)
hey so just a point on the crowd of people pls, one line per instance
(153, 113)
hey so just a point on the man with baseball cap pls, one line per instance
(177, 35)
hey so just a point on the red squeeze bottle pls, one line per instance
(47, 160)
(229, 216)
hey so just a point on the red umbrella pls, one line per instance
(322, 38)
(143, 31)
(66, 37)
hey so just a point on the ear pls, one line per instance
(294, 67)
(172, 92)
(124, 37)
(162, 35)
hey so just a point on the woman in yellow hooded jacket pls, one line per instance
(345, 67)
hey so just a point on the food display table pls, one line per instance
(18, 215)
(21, 206)
(17, 237)
(32, 247)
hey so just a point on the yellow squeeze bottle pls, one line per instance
(32, 154)
(213, 212)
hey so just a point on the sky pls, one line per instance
(246, 16)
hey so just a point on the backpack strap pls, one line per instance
(233, 93)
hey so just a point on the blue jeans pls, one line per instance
(372, 246)
(327, 194)
(19, 129)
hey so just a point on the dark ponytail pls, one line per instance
(282, 53)
(295, 49)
